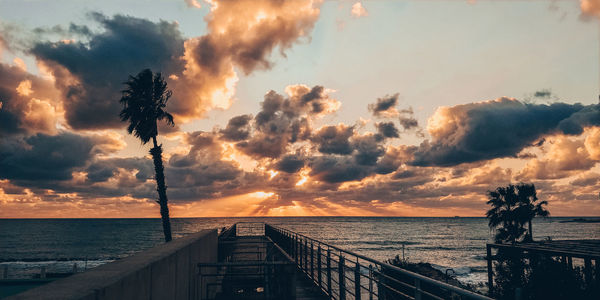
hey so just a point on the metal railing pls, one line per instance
(344, 274)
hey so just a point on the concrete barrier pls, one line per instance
(167, 271)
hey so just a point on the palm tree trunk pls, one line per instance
(161, 188)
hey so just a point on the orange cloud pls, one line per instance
(242, 35)
(358, 10)
(590, 7)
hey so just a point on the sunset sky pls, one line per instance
(301, 108)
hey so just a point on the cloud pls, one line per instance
(368, 149)
(29, 103)
(90, 74)
(408, 120)
(543, 94)
(497, 128)
(242, 35)
(290, 163)
(563, 157)
(332, 169)
(193, 3)
(334, 139)
(238, 128)
(201, 71)
(358, 10)
(44, 157)
(590, 8)
(385, 107)
(286, 120)
(387, 129)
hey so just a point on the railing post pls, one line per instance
(417, 289)
(357, 281)
(370, 282)
(300, 251)
(490, 269)
(296, 247)
(291, 244)
(319, 265)
(329, 292)
(305, 255)
(342, 277)
(312, 262)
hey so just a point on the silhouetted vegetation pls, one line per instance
(533, 276)
(540, 277)
(144, 101)
(513, 207)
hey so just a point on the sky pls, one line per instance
(301, 108)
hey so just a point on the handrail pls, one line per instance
(303, 256)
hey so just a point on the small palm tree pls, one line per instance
(144, 101)
(513, 207)
(529, 208)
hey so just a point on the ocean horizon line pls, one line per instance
(273, 217)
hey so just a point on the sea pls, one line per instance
(27, 245)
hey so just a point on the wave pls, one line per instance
(386, 242)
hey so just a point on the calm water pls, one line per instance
(458, 243)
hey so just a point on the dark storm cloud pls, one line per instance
(543, 94)
(238, 128)
(43, 157)
(126, 46)
(102, 170)
(17, 114)
(409, 123)
(407, 119)
(499, 128)
(369, 158)
(290, 163)
(72, 30)
(313, 98)
(367, 148)
(384, 104)
(333, 169)
(283, 121)
(387, 129)
(334, 139)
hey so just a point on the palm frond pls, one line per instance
(144, 99)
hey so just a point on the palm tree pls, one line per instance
(529, 208)
(143, 102)
(504, 203)
(513, 207)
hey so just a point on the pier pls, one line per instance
(247, 261)
(262, 261)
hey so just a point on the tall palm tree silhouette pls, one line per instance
(144, 100)
(513, 207)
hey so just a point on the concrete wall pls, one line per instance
(167, 271)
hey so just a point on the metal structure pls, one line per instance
(563, 250)
(261, 261)
(342, 274)
(251, 266)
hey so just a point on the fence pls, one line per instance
(344, 275)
